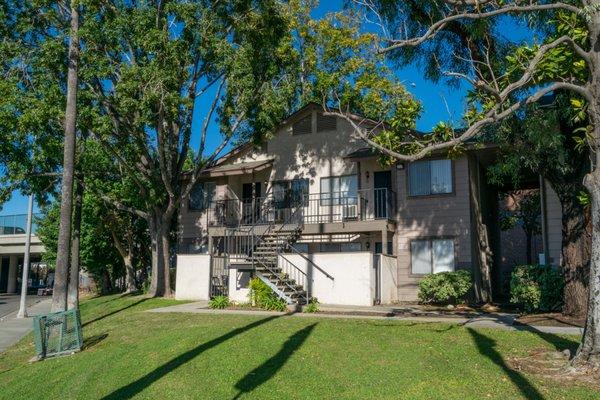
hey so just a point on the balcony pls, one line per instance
(317, 208)
(17, 224)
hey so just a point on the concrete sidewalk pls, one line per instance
(13, 329)
(495, 321)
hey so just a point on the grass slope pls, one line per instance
(135, 354)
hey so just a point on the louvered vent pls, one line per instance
(326, 123)
(303, 126)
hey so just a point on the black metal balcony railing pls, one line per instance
(16, 224)
(317, 208)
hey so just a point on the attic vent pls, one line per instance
(326, 123)
(303, 126)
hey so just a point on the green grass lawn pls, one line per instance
(134, 354)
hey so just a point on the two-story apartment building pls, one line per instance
(314, 214)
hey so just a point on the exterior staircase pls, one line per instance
(268, 251)
(286, 279)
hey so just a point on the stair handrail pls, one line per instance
(281, 280)
(310, 261)
(287, 245)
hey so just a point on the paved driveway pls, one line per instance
(9, 303)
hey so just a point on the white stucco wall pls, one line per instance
(192, 281)
(388, 279)
(353, 283)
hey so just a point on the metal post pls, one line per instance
(23, 306)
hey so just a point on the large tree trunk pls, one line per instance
(160, 283)
(130, 285)
(126, 253)
(73, 286)
(482, 282)
(59, 296)
(576, 249)
(589, 349)
(106, 282)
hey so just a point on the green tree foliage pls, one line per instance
(339, 67)
(99, 255)
(152, 68)
(32, 102)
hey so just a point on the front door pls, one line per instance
(249, 212)
(4, 274)
(382, 181)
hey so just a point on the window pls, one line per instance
(326, 123)
(292, 193)
(337, 190)
(201, 196)
(302, 126)
(430, 177)
(432, 256)
(379, 248)
(350, 247)
(299, 247)
(330, 247)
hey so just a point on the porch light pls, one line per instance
(367, 174)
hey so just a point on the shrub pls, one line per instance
(274, 304)
(444, 287)
(219, 302)
(537, 288)
(312, 306)
(261, 295)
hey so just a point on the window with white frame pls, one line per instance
(201, 196)
(431, 256)
(429, 177)
(337, 190)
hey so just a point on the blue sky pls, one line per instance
(440, 102)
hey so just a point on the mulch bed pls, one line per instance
(550, 319)
(555, 365)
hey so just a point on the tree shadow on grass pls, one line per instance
(93, 340)
(269, 368)
(132, 389)
(135, 303)
(559, 343)
(487, 347)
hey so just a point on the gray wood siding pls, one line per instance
(432, 216)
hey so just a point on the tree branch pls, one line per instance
(120, 206)
(440, 24)
(496, 114)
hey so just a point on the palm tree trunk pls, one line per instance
(73, 286)
(59, 296)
